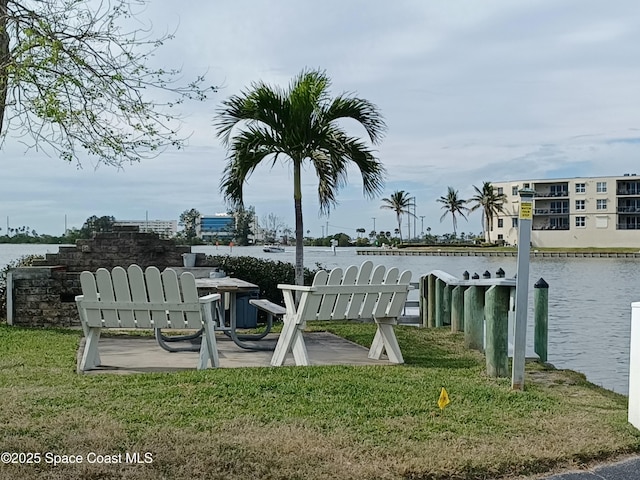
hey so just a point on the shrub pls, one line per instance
(267, 274)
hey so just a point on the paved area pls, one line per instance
(628, 469)
(124, 354)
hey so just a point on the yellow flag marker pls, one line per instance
(443, 401)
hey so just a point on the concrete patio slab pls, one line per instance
(129, 354)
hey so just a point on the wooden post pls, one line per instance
(439, 316)
(541, 318)
(431, 301)
(457, 309)
(474, 318)
(496, 311)
(446, 303)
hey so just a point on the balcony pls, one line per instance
(551, 211)
(628, 226)
(551, 227)
(564, 193)
(629, 209)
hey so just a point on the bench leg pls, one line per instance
(290, 340)
(385, 340)
(208, 347)
(90, 356)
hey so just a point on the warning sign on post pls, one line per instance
(526, 211)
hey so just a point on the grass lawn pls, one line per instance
(365, 422)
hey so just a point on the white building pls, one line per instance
(164, 228)
(574, 212)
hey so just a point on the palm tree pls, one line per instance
(400, 202)
(300, 125)
(491, 203)
(453, 205)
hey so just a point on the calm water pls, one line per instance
(589, 299)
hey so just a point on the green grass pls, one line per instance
(365, 422)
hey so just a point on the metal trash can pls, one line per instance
(246, 314)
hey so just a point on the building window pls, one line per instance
(526, 185)
(500, 236)
(500, 222)
(500, 191)
(514, 222)
(580, 205)
(601, 187)
(514, 190)
(601, 204)
(581, 221)
(580, 187)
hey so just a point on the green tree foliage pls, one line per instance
(400, 202)
(243, 225)
(94, 224)
(299, 124)
(190, 219)
(491, 203)
(75, 77)
(453, 205)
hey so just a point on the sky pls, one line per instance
(470, 91)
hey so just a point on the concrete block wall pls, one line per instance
(44, 295)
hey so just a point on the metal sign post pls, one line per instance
(522, 288)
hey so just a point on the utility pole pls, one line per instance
(322, 226)
(374, 223)
(422, 225)
(415, 219)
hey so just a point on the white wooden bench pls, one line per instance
(150, 300)
(355, 293)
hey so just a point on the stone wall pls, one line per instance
(44, 295)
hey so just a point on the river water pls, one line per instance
(589, 298)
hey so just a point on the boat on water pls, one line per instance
(273, 249)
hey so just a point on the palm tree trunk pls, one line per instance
(297, 199)
(399, 226)
(488, 222)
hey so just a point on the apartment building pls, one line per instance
(574, 212)
(164, 228)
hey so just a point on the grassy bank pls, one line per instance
(303, 422)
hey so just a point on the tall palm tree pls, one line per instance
(299, 124)
(491, 202)
(401, 203)
(453, 205)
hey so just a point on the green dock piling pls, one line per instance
(474, 318)
(541, 318)
(496, 311)
(457, 309)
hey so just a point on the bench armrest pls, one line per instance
(301, 288)
(212, 297)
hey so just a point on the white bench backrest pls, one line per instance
(133, 299)
(362, 292)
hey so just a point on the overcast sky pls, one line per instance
(471, 91)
